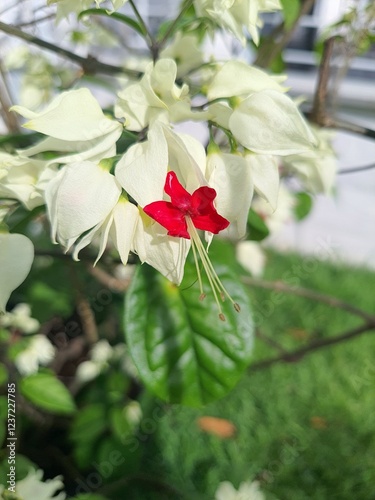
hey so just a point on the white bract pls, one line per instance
(40, 351)
(33, 486)
(237, 15)
(142, 172)
(238, 79)
(80, 197)
(231, 177)
(155, 97)
(316, 169)
(246, 491)
(24, 179)
(276, 219)
(20, 318)
(16, 258)
(269, 122)
(76, 127)
(67, 7)
(185, 51)
(251, 257)
(235, 177)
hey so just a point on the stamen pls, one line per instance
(216, 285)
(202, 295)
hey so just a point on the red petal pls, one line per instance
(206, 217)
(169, 217)
(211, 221)
(180, 198)
(201, 200)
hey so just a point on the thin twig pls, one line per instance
(109, 281)
(175, 22)
(148, 36)
(280, 37)
(280, 286)
(313, 346)
(268, 340)
(10, 119)
(354, 170)
(319, 111)
(36, 21)
(84, 311)
(90, 65)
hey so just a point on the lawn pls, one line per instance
(305, 429)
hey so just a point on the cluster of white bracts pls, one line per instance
(92, 195)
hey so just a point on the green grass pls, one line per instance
(305, 429)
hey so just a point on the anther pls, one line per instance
(222, 317)
(237, 307)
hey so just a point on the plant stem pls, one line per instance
(89, 65)
(173, 25)
(146, 32)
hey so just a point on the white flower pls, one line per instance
(276, 219)
(247, 491)
(101, 353)
(251, 257)
(120, 225)
(133, 413)
(16, 258)
(185, 51)
(20, 318)
(269, 122)
(40, 351)
(33, 487)
(231, 177)
(316, 169)
(235, 15)
(24, 179)
(239, 79)
(155, 97)
(81, 196)
(67, 7)
(76, 127)
(142, 172)
(87, 371)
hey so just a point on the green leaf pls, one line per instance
(3, 373)
(89, 423)
(114, 15)
(291, 10)
(257, 227)
(183, 352)
(304, 204)
(119, 423)
(45, 391)
(90, 496)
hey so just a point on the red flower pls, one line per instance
(198, 207)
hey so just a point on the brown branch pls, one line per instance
(280, 286)
(36, 21)
(84, 311)
(10, 119)
(319, 113)
(354, 170)
(109, 281)
(319, 110)
(313, 346)
(90, 65)
(268, 340)
(280, 37)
